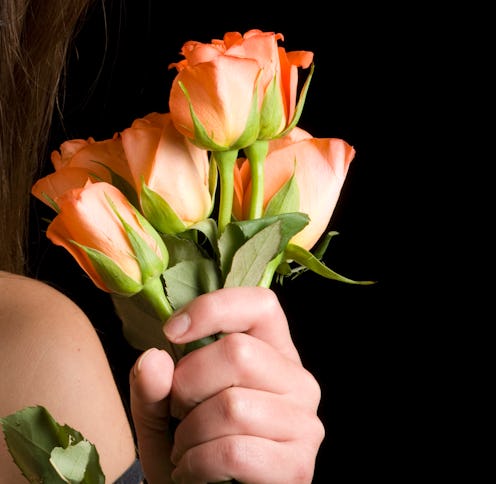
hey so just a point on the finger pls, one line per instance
(239, 360)
(150, 381)
(223, 311)
(247, 459)
(239, 411)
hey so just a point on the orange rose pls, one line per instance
(320, 166)
(240, 89)
(169, 166)
(93, 225)
(79, 160)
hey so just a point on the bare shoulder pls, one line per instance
(51, 355)
(24, 300)
(15, 287)
(22, 294)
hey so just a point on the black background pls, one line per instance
(362, 343)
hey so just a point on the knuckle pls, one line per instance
(240, 350)
(234, 405)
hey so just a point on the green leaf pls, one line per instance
(31, 435)
(188, 279)
(71, 462)
(291, 224)
(229, 242)
(181, 249)
(237, 233)
(308, 260)
(249, 262)
(208, 227)
(140, 325)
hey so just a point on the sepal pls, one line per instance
(301, 103)
(159, 213)
(286, 199)
(272, 113)
(151, 265)
(114, 278)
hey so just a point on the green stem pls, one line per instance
(225, 161)
(270, 270)
(256, 154)
(199, 343)
(153, 292)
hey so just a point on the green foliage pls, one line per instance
(114, 278)
(46, 451)
(190, 278)
(159, 213)
(286, 200)
(309, 261)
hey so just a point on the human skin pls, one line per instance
(248, 407)
(52, 356)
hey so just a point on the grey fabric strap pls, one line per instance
(133, 475)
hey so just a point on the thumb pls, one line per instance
(150, 382)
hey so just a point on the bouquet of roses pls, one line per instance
(224, 190)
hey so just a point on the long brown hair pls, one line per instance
(35, 36)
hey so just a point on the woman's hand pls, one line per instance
(247, 407)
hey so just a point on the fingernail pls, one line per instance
(177, 325)
(137, 366)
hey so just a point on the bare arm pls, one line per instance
(52, 356)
